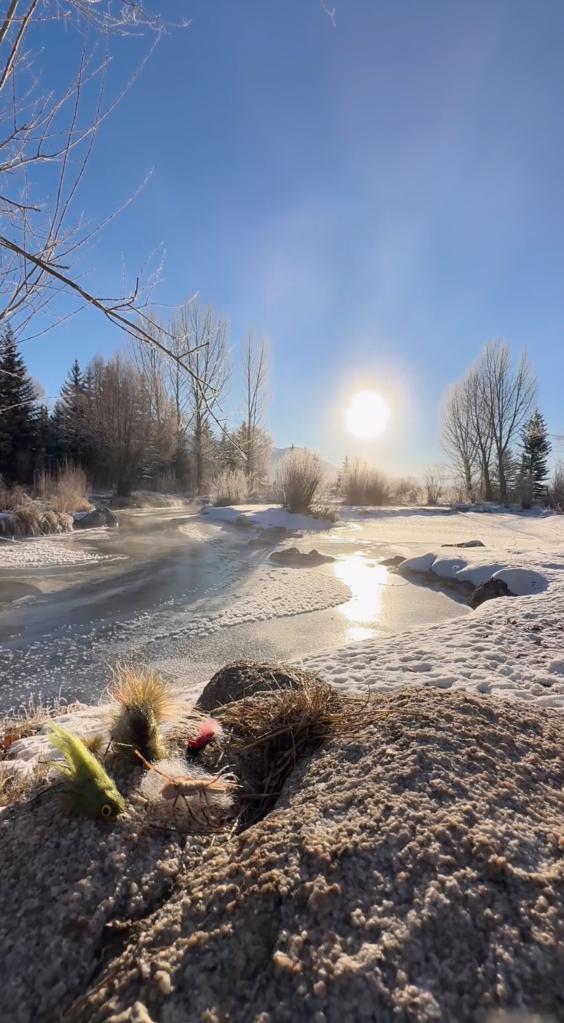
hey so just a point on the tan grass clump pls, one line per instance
(27, 721)
(17, 785)
(270, 732)
(299, 480)
(66, 490)
(143, 702)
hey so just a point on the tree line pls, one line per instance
(494, 435)
(139, 418)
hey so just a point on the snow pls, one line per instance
(510, 648)
(521, 581)
(48, 553)
(265, 516)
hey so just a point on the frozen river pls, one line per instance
(183, 593)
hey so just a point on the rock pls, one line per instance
(392, 562)
(488, 591)
(410, 871)
(465, 543)
(305, 559)
(244, 678)
(101, 516)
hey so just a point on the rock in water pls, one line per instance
(302, 559)
(101, 516)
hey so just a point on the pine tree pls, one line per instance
(70, 417)
(535, 447)
(18, 414)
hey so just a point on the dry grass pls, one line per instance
(66, 490)
(270, 732)
(12, 498)
(143, 700)
(299, 481)
(17, 785)
(28, 721)
(363, 485)
(27, 517)
(230, 486)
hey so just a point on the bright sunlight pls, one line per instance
(368, 415)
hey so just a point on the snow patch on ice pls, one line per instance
(43, 554)
(266, 516)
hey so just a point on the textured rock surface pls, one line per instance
(245, 678)
(412, 872)
(100, 516)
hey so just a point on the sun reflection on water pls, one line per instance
(366, 582)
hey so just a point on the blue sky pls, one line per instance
(377, 199)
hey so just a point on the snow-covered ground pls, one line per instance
(265, 516)
(510, 647)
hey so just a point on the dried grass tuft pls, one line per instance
(66, 490)
(16, 785)
(29, 720)
(271, 732)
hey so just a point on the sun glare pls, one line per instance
(367, 415)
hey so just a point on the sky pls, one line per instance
(377, 194)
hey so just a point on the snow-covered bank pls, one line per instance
(266, 517)
(512, 647)
(475, 571)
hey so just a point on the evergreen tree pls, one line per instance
(18, 414)
(535, 447)
(70, 417)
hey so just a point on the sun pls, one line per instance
(367, 415)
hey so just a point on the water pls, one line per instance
(174, 594)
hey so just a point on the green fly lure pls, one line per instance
(88, 785)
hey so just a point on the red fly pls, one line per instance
(207, 731)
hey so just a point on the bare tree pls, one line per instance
(121, 419)
(256, 440)
(459, 435)
(46, 141)
(510, 395)
(480, 418)
(202, 338)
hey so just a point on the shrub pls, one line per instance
(29, 519)
(65, 491)
(364, 485)
(433, 487)
(12, 498)
(406, 491)
(229, 487)
(299, 481)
